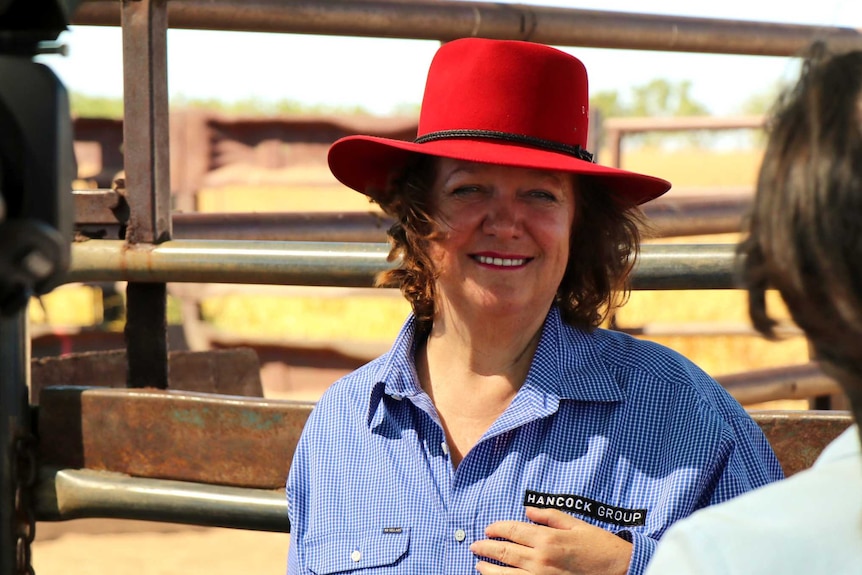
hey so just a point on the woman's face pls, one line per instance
(504, 242)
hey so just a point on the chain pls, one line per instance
(24, 472)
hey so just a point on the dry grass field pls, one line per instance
(88, 547)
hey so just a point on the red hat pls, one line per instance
(502, 102)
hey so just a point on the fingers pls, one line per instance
(515, 531)
(554, 542)
(553, 518)
(533, 534)
(486, 568)
(505, 552)
(520, 545)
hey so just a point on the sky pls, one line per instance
(382, 75)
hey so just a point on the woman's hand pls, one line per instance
(555, 543)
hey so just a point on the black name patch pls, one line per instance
(586, 507)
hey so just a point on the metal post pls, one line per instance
(146, 162)
(14, 429)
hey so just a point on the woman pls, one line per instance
(503, 430)
(803, 240)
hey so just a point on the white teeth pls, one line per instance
(504, 262)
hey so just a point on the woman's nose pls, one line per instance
(502, 219)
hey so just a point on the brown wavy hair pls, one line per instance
(604, 243)
(804, 235)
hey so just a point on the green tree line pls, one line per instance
(86, 106)
(656, 98)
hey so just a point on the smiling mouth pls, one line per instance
(501, 262)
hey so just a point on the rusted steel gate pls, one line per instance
(136, 452)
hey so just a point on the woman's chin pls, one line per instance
(497, 307)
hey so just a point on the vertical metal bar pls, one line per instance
(834, 401)
(615, 147)
(14, 424)
(146, 161)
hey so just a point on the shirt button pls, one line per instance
(397, 397)
(460, 535)
(356, 556)
(445, 448)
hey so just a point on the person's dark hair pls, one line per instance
(805, 231)
(605, 240)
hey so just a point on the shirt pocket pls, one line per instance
(349, 551)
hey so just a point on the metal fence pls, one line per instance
(150, 256)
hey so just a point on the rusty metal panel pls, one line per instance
(166, 434)
(798, 437)
(205, 438)
(223, 371)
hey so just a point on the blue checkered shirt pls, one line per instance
(622, 433)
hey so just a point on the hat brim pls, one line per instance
(364, 163)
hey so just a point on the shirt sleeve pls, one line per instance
(685, 548)
(296, 492)
(750, 464)
(294, 563)
(643, 548)
(747, 463)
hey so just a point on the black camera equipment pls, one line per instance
(37, 163)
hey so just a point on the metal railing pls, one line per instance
(442, 20)
(672, 266)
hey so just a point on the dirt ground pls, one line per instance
(102, 546)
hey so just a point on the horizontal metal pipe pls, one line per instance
(678, 216)
(685, 266)
(205, 261)
(681, 216)
(368, 227)
(703, 329)
(805, 381)
(682, 123)
(672, 266)
(447, 20)
(82, 493)
(668, 217)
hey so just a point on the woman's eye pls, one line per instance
(465, 190)
(543, 195)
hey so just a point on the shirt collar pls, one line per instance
(567, 365)
(396, 376)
